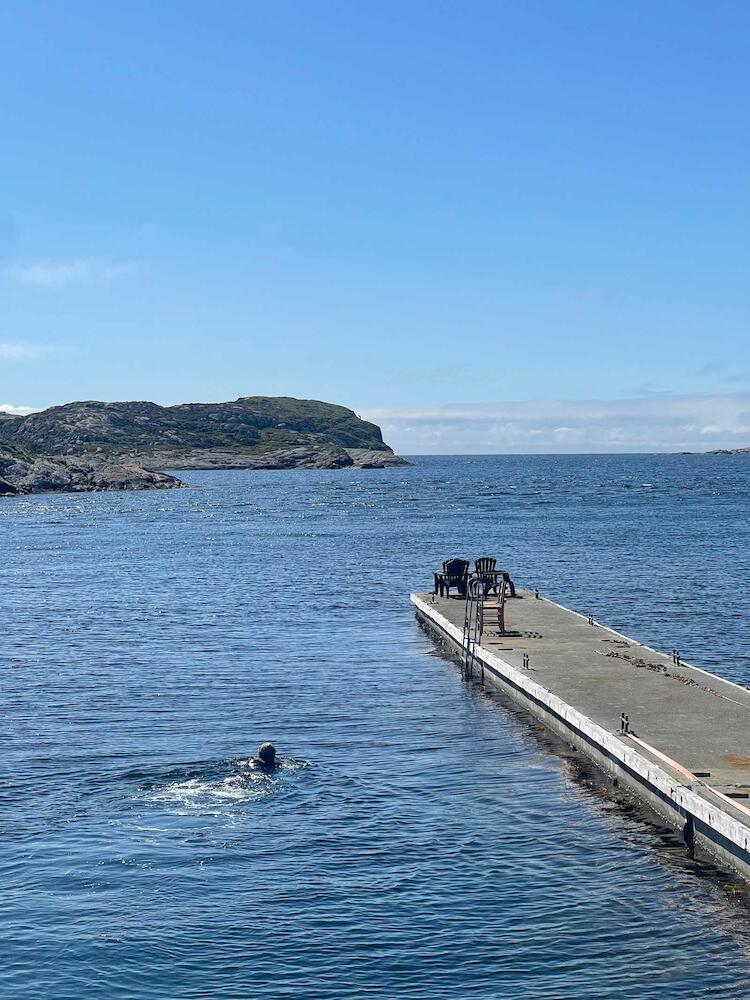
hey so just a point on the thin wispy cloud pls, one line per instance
(54, 275)
(17, 411)
(21, 350)
(653, 423)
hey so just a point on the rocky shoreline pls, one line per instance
(272, 459)
(21, 474)
(717, 451)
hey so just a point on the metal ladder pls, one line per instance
(472, 633)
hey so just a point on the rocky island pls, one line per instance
(116, 446)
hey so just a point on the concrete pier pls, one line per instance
(687, 752)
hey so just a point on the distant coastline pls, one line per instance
(717, 451)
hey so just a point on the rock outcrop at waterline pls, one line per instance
(302, 457)
(22, 474)
(94, 445)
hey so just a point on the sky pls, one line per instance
(516, 225)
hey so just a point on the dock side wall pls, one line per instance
(718, 833)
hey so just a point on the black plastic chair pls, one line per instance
(455, 573)
(484, 571)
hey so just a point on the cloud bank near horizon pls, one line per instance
(661, 422)
(655, 423)
(17, 411)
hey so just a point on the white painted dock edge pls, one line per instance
(715, 829)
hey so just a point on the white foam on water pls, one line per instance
(202, 795)
(195, 794)
(282, 764)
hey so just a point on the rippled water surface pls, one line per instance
(422, 840)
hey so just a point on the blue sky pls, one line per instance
(429, 211)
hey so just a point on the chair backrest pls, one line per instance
(456, 569)
(500, 603)
(485, 564)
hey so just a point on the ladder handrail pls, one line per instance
(472, 632)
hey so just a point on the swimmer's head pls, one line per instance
(267, 754)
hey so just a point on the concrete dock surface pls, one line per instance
(689, 728)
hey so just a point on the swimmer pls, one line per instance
(266, 757)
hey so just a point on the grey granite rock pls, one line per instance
(21, 474)
(225, 458)
(366, 458)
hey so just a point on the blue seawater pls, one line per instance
(423, 839)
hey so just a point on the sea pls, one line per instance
(422, 838)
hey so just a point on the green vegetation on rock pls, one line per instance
(250, 432)
(248, 422)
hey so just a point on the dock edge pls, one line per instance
(718, 833)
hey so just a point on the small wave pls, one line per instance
(248, 783)
(197, 794)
